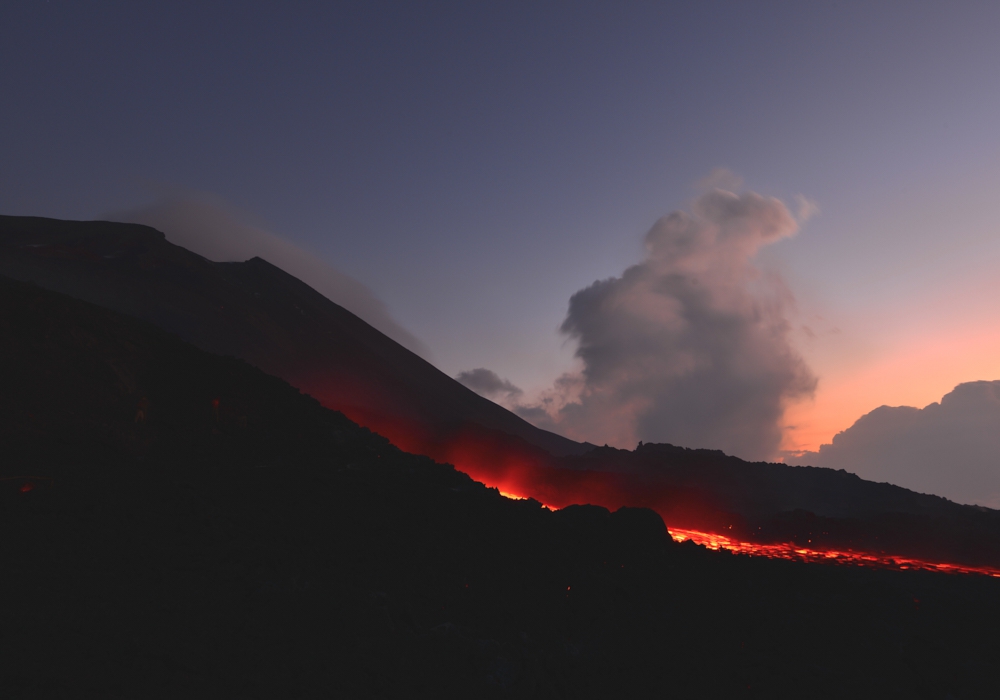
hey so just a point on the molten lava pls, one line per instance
(795, 553)
(520, 470)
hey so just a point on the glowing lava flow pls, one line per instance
(516, 497)
(517, 472)
(795, 553)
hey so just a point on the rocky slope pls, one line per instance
(237, 539)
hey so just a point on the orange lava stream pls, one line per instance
(795, 553)
(515, 472)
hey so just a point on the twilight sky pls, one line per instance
(467, 168)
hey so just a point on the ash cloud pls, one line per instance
(208, 226)
(689, 346)
(950, 448)
(488, 383)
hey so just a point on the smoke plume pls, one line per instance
(207, 226)
(488, 383)
(689, 346)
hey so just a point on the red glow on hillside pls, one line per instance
(795, 553)
(519, 470)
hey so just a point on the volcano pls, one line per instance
(255, 311)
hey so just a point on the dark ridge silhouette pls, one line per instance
(178, 524)
(820, 509)
(257, 312)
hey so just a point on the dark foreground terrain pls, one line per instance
(242, 541)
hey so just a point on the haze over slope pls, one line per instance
(209, 227)
(255, 311)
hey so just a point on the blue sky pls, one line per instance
(476, 164)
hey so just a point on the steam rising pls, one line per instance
(689, 346)
(214, 230)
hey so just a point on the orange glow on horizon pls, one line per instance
(898, 350)
(912, 370)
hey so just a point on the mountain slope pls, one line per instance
(255, 311)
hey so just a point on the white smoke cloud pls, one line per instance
(208, 226)
(950, 449)
(689, 346)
